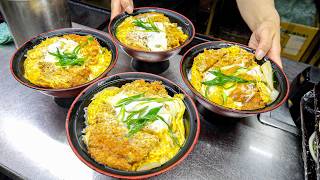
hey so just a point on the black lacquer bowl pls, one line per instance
(18, 59)
(75, 124)
(280, 77)
(156, 61)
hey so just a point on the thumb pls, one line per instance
(115, 8)
(127, 5)
(264, 38)
(275, 51)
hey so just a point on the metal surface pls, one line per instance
(27, 18)
(33, 141)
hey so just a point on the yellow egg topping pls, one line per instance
(134, 127)
(150, 32)
(66, 61)
(232, 78)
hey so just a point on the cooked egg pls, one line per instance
(157, 41)
(238, 81)
(154, 33)
(63, 45)
(49, 65)
(208, 76)
(256, 73)
(109, 125)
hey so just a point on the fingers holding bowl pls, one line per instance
(229, 105)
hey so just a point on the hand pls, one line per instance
(119, 6)
(266, 40)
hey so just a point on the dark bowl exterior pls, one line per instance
(76, 122)
(187, 61)
(149, 56)
(158, 56)
(18, 59)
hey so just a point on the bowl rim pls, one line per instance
(110, 67)
(194, 91)
(195, 140)
(153, 52)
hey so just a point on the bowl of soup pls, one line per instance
(227, 79)
(132, 125)
(63, 62)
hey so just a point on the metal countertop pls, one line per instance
(34, 145)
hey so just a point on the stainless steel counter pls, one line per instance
(34, 146)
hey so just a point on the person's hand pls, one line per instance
(266, 40)
(119, 6)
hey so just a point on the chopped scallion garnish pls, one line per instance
(221, 79)
(148, 25)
